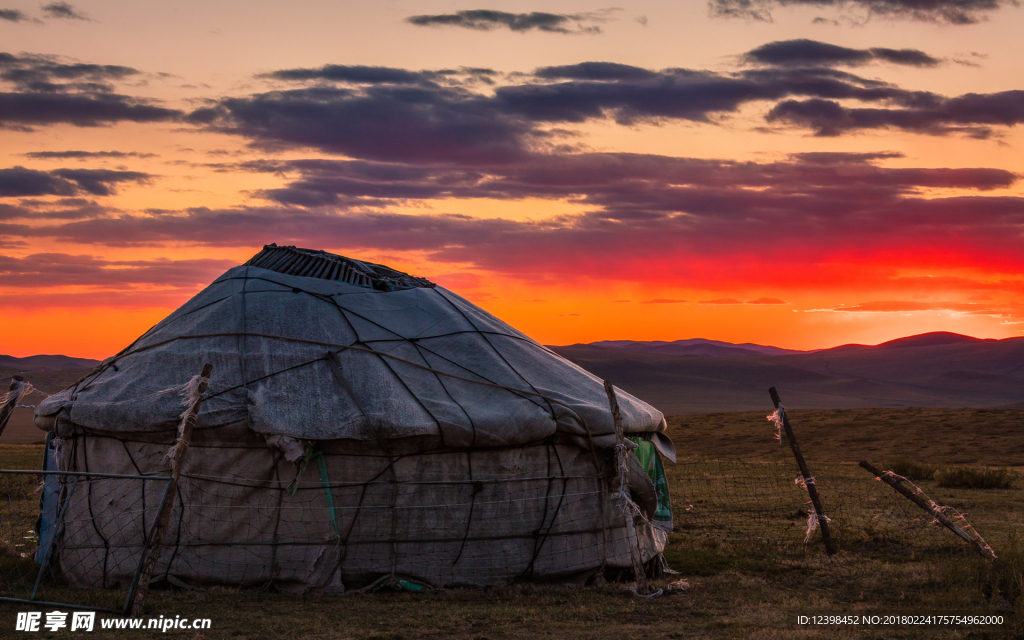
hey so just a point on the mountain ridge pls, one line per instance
(695, 345)
(692, 346)
(937, 369)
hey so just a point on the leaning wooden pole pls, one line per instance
(177, 462)
(13, 396)
(627, 510)
(930, 506)
(812, 490)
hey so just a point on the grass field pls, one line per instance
(740, 524)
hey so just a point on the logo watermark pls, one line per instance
(53, 621)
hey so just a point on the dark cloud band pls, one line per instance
(26, 109)
(813, 53)
(488, 20)
(634, 206)
(82, 155)
(45, 269)
(399, 115)
(973, 114)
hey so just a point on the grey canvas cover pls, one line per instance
(320, 359)
(442, 517)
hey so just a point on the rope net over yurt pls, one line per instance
(363, 425)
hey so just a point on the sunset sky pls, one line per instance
(801, 173)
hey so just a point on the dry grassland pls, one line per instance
(742, 585)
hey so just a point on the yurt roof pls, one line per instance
(317, 346)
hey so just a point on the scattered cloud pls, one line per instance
(658, 301)
(489, 20)
(13, 15)
(358, 74)
(21, 182)
(379, 122)
(19, 110)
(44, 90)
(625, 187)
(957, 12)
(721, 301)
(63, 11)
(61, 209)
(49, 73)
(803, 52)
(83, 155)
(100, 182)
(767, 301)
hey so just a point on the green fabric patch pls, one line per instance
(325, 482)
(312, 454)
(651, 462)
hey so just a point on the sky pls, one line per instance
(801, 173)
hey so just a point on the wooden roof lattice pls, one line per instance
(312, 263)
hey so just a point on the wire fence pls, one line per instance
(52, 534)
(343, 518)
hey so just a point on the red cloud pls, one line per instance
(721, 301)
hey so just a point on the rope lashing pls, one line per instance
(777, 417)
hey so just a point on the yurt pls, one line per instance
(360, 425)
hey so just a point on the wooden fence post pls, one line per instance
(931, 507)
(627, 513)
(160, 530)
(812, 490)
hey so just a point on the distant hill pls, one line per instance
(10, 364)
(694, 347)
(933, 339)
(929, 370)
